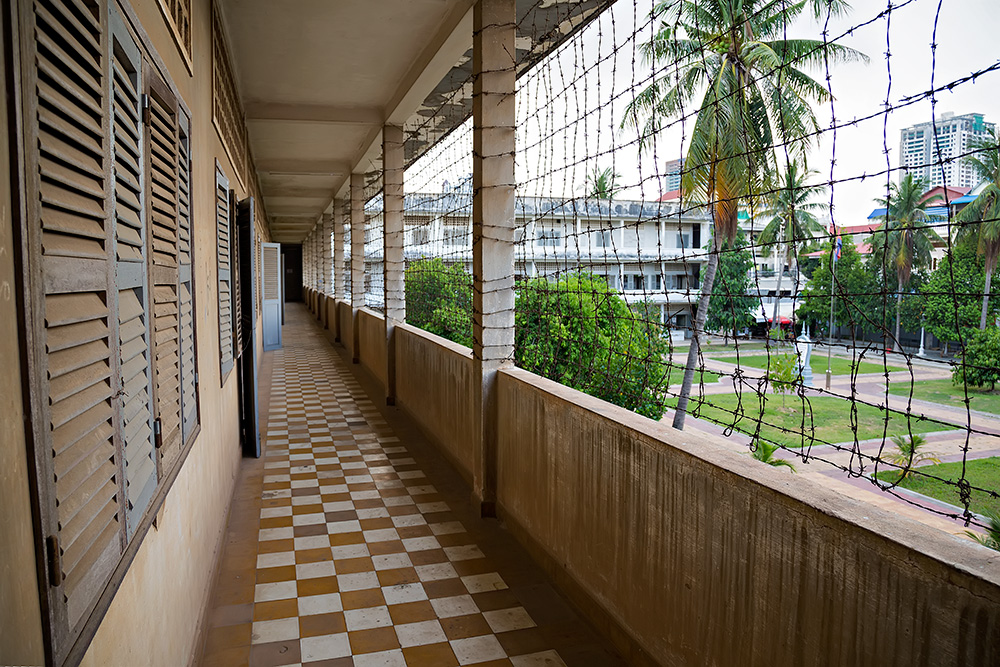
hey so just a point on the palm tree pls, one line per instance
(603, 183)
(991, 538)
(764, 452)
(753, 96)
(910, 453)
(983, 214)
(792, 221)
(905, 240)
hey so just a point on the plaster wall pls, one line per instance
(371, 337)
(687, 553)
(21, 641)
(434, 385)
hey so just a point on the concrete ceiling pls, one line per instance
(320, 78)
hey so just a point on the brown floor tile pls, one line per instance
(272, 609)
(322, 624)
(375, 524)
(307, 509)
(402, 510)
(313, 555)
(370, 641)
(520, 642)
(311, 530)
(276, 522)
(503, 662)
(460, 627)
(412, 612)
(276, 546)
(431, 655)
(345, 515)
(333, 662)
(354, 565)
(233, 593)
(343, 539)
(368, 503)
(232, 614)
(237, 656)
(370, 597)
(317, 586)
(492, 600)
(389, 547)
(455, 539)
(466, 568)
(227, 636)
(404, 575)
(406, 532)
(428, 557)
(275, 653)
(269, 575)
(445, 588)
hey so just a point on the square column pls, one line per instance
(493, 49)
(327, 253)
(357, 255)
(393, 239)
(339, 274)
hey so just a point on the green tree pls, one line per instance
(952, 295)
(782, 374)
(439, 299)
(904, 241)
(981, 366)
(765, 453)
(851, 291)
(603, 183)
(579, 333)
(991, 538)
(981, 218)
(792, 220)
(732, 307)
(754, 95)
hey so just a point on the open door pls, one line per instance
(271, 274)
(246, 324)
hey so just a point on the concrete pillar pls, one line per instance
(395, 296)
(339, 273)
(325, 277)
(357, 254)
(493, 63)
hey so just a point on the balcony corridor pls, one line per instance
(349, 538)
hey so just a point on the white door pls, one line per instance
(270, 263)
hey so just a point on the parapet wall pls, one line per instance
(434, 386)
(687, 553)
(371, 340)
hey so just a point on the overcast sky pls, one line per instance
(570, 108)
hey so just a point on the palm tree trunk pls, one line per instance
(777, 296)
(699, 325)
(986, 300)
(899, 302)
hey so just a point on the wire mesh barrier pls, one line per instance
(714, 225)
(374, 247)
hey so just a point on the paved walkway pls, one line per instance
(348, 544)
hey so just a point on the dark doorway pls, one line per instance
(246, 363)
(291, 255)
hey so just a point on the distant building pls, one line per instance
(941, 164)
(673, 175)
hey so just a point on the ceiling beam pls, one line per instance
(278, 112)
(303, 167)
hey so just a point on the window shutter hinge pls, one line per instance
(146, 117)
(55, 560)
(157, 433)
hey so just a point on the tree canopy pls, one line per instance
(732, 307)
(953, 295)
(439, 299)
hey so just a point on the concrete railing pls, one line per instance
(345, 315)
(434, 386)
(371, 342)
(687, 553)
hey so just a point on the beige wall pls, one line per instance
(371, 336)
(345, 315)
(708, 557)
(434, 386)
(20, 619)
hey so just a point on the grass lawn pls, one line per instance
(830, 418)
(839, 365)
(943, 392)
(981, 473)
(676, 375)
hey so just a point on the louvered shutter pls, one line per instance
(189, 371)
(163, 157)
(224, 245)
(72, 306)
(270, 270)
(235, 268)
(131, 276)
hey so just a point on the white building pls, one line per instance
(941, 164)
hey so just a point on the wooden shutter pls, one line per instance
(130, 273)
(189, 370)
(224, 251)
(235, 268)
(73, 360)
(162, 130)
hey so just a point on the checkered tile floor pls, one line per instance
(357, 558)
